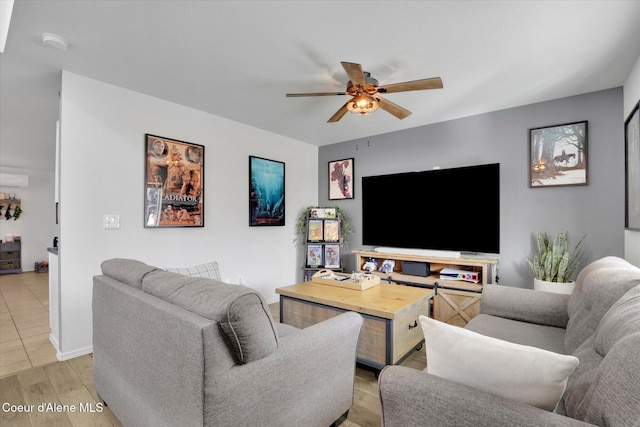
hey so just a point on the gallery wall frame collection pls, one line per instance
(558, 155)
(341, 179)
(174, 183)
(266, 192)
(632, 169)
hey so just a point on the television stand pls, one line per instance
(456, 301)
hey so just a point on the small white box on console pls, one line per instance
(455, 274)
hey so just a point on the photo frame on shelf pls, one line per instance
(266, 192)
(341, 179)
(174, 183)
(331, 230)
(331, 256)
(318, 213)
(315, 231)
(558, 155)
(632, 169)
(314, 256)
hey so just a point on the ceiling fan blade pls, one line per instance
(293, 95)
(354, 71)
(339, 114)
(392, 108)
(432, 83)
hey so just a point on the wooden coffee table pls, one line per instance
(390, 330)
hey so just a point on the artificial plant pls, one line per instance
(554, 262)
(301, 225)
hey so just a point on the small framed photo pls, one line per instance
(331, 230)
(331, 256)
(341, 179)
(315, 230)
(558, 155)
(314, 255)
(632, 169)
(323, 213)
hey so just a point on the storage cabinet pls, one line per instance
(10, 258)
(390, 329)
(456, 301)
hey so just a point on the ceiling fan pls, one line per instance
(365, 93)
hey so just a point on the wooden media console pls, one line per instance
(456, 301)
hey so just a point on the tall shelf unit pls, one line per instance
(456, 301)
(322, 242)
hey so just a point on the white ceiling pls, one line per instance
(237, 59)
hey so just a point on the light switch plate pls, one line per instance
(111, 222)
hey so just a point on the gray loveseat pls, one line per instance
(174, 350)
(599, 324)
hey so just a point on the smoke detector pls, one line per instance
(55, 41)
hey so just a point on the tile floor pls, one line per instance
(24, 322)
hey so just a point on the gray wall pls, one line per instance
(596, 209)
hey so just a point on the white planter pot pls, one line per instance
(558, 288)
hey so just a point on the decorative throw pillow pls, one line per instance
(528, 374)
(209, 270)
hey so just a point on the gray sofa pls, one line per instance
(174, 350)
(599, 324)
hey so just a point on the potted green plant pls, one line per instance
(301, 225)
(554, 265)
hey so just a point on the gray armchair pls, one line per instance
(172, 350)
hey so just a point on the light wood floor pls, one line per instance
(30, 381)
(24, 322)
(68, 383)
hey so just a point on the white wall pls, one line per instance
(631, 97)
(37, 223)
(102, 172)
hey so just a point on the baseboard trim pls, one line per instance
(54, 342)
(74, 354)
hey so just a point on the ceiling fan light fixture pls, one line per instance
(365, 93)
(363, 104)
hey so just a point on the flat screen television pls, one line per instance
(455, 209)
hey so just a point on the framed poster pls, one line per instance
(266, 192)
(332, 256)
(314, 231)
(558, 155)
(331, 230)
(174, 183)
(632, 169)
(341, 179)
(314, 255)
